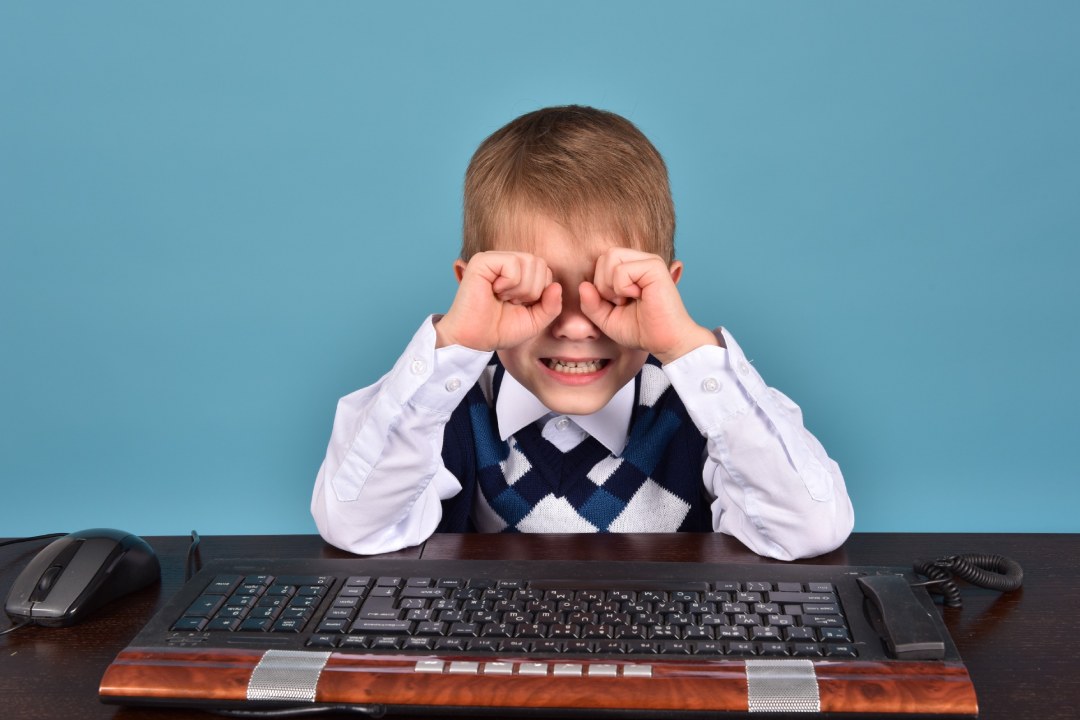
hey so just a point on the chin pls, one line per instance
(575, 406)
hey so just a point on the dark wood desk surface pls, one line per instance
(1020, 648)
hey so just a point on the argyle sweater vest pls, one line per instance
(527, 484)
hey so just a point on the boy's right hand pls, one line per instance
(503, 299)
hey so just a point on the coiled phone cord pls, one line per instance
(989, 571)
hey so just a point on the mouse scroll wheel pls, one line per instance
(45, 584)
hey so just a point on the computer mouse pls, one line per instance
(75, 575)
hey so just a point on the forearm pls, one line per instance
(774, 486)
(381, 485)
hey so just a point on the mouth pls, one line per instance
(574, 367)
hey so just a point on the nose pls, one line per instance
(572, 324)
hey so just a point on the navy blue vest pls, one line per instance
(654, 485)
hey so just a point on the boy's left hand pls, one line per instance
(633, 300)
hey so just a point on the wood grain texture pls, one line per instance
(714, 685)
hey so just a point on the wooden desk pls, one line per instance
(1020, 648)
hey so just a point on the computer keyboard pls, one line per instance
(634, 639)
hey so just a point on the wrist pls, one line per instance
(444, 336)
(699, 337)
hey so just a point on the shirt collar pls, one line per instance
(516, 407)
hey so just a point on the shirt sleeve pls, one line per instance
(774, 486)
(382, 483)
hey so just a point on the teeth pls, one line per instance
(575, 368)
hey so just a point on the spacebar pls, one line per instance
(637, 585)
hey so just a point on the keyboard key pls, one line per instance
(806, 650)
(840, 650)
(305, 580)
(333, 626)
(288, 625)
(369, 625)
(355, 642)
(464, 629)
(741, 648)
(644, 647)
(532, 668)
(323, 641)
(224, 623)
(834, 635)
(205, 606)
(801, 597)
(223, 585)
(799, 633)
(430, 627)
(610, 646)
(427, 593)
(379, 608)
(190, 623)
(730, 632)
(773, 648)
(579, 646)
(674, 647)
(708, 647)
(386, 642)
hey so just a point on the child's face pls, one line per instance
(571, 366)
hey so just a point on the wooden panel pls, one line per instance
(716, 685)
(180, 673)
(911, 687)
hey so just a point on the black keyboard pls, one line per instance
(517, 615)
(499, 622)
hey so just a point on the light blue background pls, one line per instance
(218, 217)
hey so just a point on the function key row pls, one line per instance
(582, 647)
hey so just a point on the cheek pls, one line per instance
(515, 358)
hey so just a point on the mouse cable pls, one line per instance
(13, 628)
(192, 556)
(49, 536)
(995, 572)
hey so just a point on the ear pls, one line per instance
(676, 269)
(459, 269)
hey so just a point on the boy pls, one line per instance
(567, 389)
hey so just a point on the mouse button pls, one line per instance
(76, 578)
(45, 584)
(18, 602)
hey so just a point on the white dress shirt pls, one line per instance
(382, 483)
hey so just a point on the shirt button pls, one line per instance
(710, 385)
(418, 367)
(562, 423)
(743, 367)
(452, 384)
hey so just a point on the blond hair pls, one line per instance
(588, 169)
